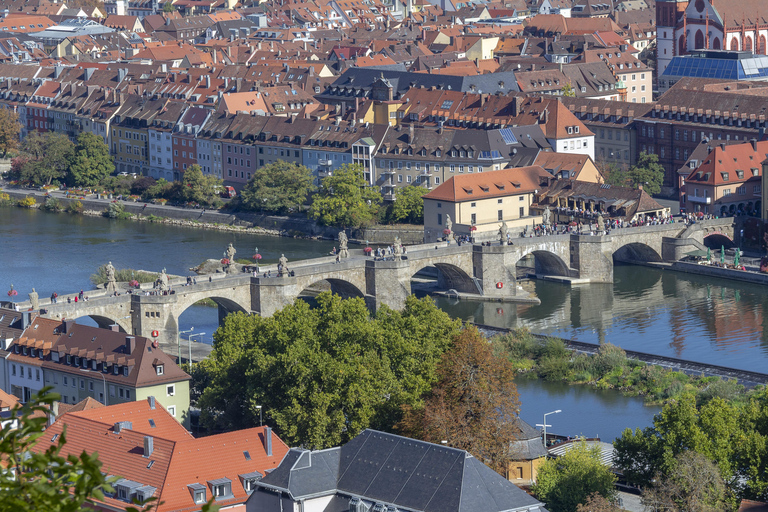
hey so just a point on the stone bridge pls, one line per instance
(488, 271)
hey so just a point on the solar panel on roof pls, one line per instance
(508, 136)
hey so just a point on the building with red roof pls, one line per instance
(153, 456)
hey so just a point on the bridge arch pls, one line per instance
(342, 288)
(449, 276)
(546, 262)
(636, 251)
(104, 322)
(717, 239)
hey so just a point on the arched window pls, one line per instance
(761, 47)
(735, 44)
(699, 39)
(681, 46)
(748, 44)
(716, 44)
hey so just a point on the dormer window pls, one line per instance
(125, 371)
(115, 369)
(160, 369)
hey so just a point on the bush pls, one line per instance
(609, 357)
(27, 202)
(720, 388)
(154, 218)
(75, 207)
(553, 368)
(5, 199)
(116, 211)
(553, 348)
(52, 205)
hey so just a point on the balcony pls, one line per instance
(325, 163)
(699, 199)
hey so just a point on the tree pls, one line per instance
(38, 479)
(596, 502)
(345, 199)
(567, 481)
(322, 375)
(472, 404)
(91, 162)
(409, 205)
(49, 155)
(168, 7)
(647, 172)
(612, 174)
(277, 187)
(197, 187)
(9, 130)
(568, 90)
(693, 484)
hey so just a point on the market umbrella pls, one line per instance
(709, 254)
(722, 254)
(736, 258)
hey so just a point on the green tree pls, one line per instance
(693, 484)
(409, 205)
(647, 172)
(277, 187)
(613, 174)
(345, 199)
(567, 481)
(471, 404)
(35, 479)
(10, 127)
(168, 7)
(196, 187)
(322, 375)
(568, 90)
(49, 155)
(92, 162)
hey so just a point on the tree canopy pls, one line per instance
(10, 127)
(48, 156)
(277, 187)
(567, 481)
(472, 405)
(408, 206)
(345, 199)
(324, 374)
(196, 187)
(647, 172)
(91, 162)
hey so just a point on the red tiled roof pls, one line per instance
(506, 182)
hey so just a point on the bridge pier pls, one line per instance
(495, 270)
(271, 294)
(387, 282)
(155, 313)
(592, 257)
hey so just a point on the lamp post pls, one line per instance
(544, 425)
(259, 408)
(106, 399)
(189, 344)
(178, 340)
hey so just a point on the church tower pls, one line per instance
(670, 33)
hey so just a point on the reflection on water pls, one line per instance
(585, 411)
(699, 318)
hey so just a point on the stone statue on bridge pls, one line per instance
(343, 251)
(33, 298)
(230, 255)
(600, 225)
(504, 233)
(111, 284)
(282, 266)
(397, 249)
(546, 217)
(162, 283)
(448, 228)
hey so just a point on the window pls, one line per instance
(200, 496)
(727, 192)
(170, 390)
(128, 394)
(172, 410)
(500, 215)
(65, 381)
(473, 218)
(159, 369)
(472, 205)
(90, 385)
(439, 219)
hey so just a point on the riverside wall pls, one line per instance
(212, 219)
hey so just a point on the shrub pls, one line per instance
(154, 218)
(609, 357)
(27, 202)
(75, 207)
(553, 348)
(553, 368)
(116, 211)
(52, 205)
(5, 199)
(727, 389)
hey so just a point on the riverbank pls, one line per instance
(243, 222)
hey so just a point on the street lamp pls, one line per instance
(86, 370)
(189, 344)
(544, 425)
(178, 340)
(259, 408)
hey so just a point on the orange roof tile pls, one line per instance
(506, 182)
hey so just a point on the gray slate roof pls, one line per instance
(393, 470)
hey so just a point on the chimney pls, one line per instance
(517, 106)
(122, 425)
(115, 328)
(68, 325)
(130, 344)
(149, 445)
(207, 81)
(25, 319)
(722, 146)
(268, 441)
(754, 144)
(151, 401)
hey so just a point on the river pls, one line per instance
(666, 313)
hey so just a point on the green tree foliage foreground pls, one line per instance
(277, 187)
(408, 206)
(91, 162)
(563, 483)
(647, 172)
(345, 199)
(733, 435)
(322, 375)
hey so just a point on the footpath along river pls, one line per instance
(666, 313)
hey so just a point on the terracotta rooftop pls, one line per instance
(505, 182)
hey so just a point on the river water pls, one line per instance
(666, 313)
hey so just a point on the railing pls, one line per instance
(699, 199)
